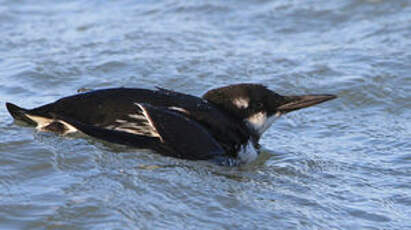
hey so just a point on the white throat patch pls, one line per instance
(260, 122)
(241, 102)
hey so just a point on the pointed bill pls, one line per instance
(299, 102)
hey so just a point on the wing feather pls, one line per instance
(138, 122)
(166, 131)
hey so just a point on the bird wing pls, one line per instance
(183, 134)
(159, 128)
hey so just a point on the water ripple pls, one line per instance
(339, 165)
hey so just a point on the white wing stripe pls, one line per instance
(179, 109)
(153, 129)
(138, 116)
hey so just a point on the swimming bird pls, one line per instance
(224, 125)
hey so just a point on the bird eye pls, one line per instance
(259, 105)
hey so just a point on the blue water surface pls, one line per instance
(344, 164)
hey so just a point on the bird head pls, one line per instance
(258, 106)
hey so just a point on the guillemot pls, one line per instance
(224, 125)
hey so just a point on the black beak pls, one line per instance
(298, 102)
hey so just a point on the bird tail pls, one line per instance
(19, 113)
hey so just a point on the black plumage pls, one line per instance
(171, 123)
